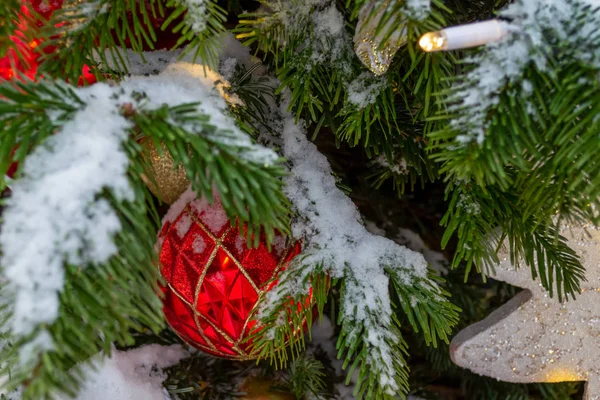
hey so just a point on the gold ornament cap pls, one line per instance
(366, 44)
(165, 180)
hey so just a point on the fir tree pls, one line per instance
(267, 107)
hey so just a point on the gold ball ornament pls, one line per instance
(165, 180)
(367, 45)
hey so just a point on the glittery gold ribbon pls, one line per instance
(168, 181)
(367, 45)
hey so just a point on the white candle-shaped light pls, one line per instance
(464, 36)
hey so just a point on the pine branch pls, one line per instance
(314, 64)
(277, 341)
(399, 14)
(266, 31)
(99, 307)
(25, 115)
(471, 217)
(306, 377)
(407, 166)
(202, 377)
(101, 304)
(548, 255)
(373, 124)
(255, 94)
(360, 354)
(481, 219)
(421, 303)
(98, 28)
(355, 341)
(202, 25)
(91, 28)
(10, 17)
(487, 139)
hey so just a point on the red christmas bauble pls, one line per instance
(27, 62)
(213, 280)
(12, 64)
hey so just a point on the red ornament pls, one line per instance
(213, 280)
(27, 61)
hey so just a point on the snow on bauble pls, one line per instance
(534, 337)
(213, 281)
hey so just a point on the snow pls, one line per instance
(128, 375)
(323, 340)
(183, 225)
(155, 62)
(331, 45)
(145, 63)
(279, 244)
(327, 44)
(365, 89)
(468, 204)
(183, 83)
(232, 48)
(418, 9)
(436, 260)
(196, 15)
(400, 167)
(213, 217)
(329, 22)
(227, 68)
(534, 24)
(177, 208)
(406, 237)
(198, 245)
(240, 241)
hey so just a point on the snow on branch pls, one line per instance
(536, 27)
(196, 15)
(418, 9)
(365, 89)
(56, 214)
(333, 236)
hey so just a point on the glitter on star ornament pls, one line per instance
(213, 281)
(536, 338)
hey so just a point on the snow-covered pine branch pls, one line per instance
(57, 214)
(336, 242)
(535, 28)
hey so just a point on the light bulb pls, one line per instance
(433, 41)
(464, 36)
